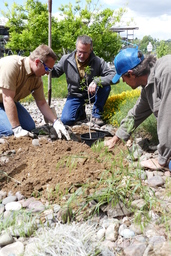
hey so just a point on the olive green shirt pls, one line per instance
(16, 75)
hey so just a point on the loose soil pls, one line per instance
(55, 168)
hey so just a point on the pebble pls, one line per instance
(16, 248)
(127, 233)
(13, 206)
(6, 239)
(156, 181)
(114, 232)
(9, 199)
(35, 142)
(36, 206)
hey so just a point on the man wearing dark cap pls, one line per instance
(154, 76)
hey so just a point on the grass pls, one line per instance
(119, 184)
(121, 99)
(59, 88)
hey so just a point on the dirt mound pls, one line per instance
(53, 168)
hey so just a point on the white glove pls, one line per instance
(92, 87)
(60, 129)
(20, 132)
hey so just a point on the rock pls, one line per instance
(115, 211)
(112, 232)
(155, 181)
(36, 206)
(35, 142)
(139, 203)
(2, 141)
(19, 196)
(5, 239)
(9, 199)
(16, 249)
(65, 215)
(13, 206)
(101, 234)
(28, 201)
(135, 249)
(3, 194)
(2, 208)
(127, 233)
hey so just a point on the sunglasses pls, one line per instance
(47, 69)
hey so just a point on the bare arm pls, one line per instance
(46, 111)
(10, 107)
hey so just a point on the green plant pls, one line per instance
(118, 184)
(17, 222)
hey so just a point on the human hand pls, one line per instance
(61, 130)
(92, 87)
(112, 142)
(20, 132)
(151, 164)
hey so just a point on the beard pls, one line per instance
(80, 60)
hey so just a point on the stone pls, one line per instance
(156, 181)
(13, 206)
(35, 142)
(3, 194)
(135, 249)
(2, 141)
(115, 211)
(139, 203)
(112, 232)
(9, 199)
(6, 238)
(101, 234)
(28, 201)
(2, 208)
(127, 233)
(19, 196)
(16, 248)
(36, 206)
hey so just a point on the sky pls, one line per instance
(150, 16)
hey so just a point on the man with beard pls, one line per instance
(96, 82)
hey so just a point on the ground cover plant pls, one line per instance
(79, 178)
(79, 175)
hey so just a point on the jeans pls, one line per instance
(74, 107)
(24, 117)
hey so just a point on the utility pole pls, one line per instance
(49, 44)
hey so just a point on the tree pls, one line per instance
(26, 24)
(28, 27)
(144, 42)
(162, 49)
(93, 22)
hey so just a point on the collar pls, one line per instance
(150, 79)
(27, 66)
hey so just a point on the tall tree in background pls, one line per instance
(28, 27)
(162, 49)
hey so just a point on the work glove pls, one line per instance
(61, 130)
(20, 132)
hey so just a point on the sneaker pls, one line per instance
(81, 119)
(97, 121)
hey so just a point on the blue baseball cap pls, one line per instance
(125, 60)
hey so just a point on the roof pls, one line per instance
(122, 29)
